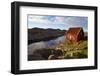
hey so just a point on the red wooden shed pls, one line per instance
(74, 34)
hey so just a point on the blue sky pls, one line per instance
(57, 22)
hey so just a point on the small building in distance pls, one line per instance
(74, 34)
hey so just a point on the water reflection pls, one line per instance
(44, 44)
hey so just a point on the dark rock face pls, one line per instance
(43, 54)
(35, 57)
(57, 52)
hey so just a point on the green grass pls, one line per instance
(80, 49)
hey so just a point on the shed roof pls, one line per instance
(74, 30)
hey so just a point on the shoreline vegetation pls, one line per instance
(59, 51)
(40, 34)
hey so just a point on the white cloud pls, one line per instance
(58, 21)
(38, 19)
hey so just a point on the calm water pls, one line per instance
(44, 44)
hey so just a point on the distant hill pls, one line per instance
(40, 34)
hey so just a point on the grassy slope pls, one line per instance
(80, 49)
